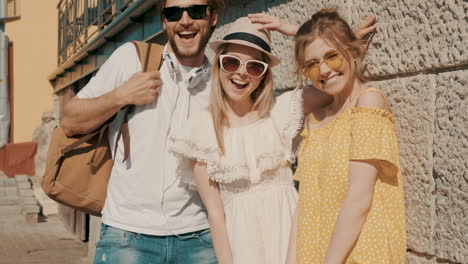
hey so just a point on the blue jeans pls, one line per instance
(117, 246)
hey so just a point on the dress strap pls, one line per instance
(372, 89)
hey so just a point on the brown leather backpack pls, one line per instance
(78, 168)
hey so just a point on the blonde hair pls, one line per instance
(262, 97)
(328, 25)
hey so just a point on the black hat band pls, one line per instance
(249, 38)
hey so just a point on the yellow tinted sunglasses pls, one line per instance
(333, 59)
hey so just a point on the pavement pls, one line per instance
(39, 242)
(31, 239)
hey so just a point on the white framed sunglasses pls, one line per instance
(231, 64)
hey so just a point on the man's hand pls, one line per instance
(141, 88)
(274, 23)
(366, 31)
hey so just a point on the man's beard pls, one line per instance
(185, 55)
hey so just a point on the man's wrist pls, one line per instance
(119, 98)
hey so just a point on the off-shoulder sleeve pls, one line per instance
(287, 114)
(373, 136)
(197, 142)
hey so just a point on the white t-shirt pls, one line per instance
(143, 194)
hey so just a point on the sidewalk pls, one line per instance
(44, 242)
(25, 238)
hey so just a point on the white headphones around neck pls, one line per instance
(196, 75)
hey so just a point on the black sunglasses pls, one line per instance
(174, 13)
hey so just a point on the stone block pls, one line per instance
(16, 219)
(29, 200)
(412, 101)
(11, 191)
(440, 27)
(26, 192)
(8, 182)
(31, 209)
(451, 166)
(49, 209)
(9, 210)
(9, 200)
(24, 185)
(21, 178)
(419, 259)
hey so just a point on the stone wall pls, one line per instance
(419, 57)
(42, 136)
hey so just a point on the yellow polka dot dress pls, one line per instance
(357, 133)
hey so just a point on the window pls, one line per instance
(13, 8)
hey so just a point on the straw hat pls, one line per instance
(243, 32)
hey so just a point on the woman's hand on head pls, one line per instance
(367, 27)
(274, 23)
(365, 32)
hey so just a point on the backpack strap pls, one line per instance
(150, 56)
(124, 132)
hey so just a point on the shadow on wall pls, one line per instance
(240, 8)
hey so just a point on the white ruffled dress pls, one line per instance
(254, 176)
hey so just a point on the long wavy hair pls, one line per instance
(262, 97)
(328, 25)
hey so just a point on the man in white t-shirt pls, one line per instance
(148, 217)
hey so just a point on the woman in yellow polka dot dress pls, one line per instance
(351, 204)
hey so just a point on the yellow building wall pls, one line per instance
(34, 38)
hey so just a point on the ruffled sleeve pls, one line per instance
(300, 167)
(287, 115)
(196, 142)
(373, 136)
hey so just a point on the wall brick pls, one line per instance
(412, 101)
(414, 35)
(415, 259)
(451, 166)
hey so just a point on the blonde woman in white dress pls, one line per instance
(241, 149)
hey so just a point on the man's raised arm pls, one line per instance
(117, 84)
(83, 115)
